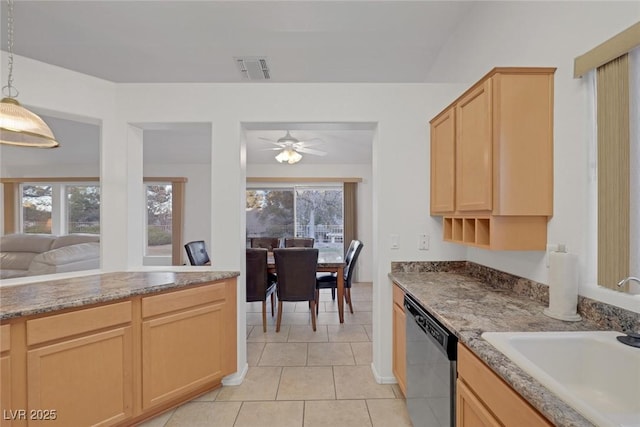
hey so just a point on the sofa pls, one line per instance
(34, 254)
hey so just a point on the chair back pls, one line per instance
(257, 282)
(268, 243)
(299, 242)
(350, 260)
(197, 252)
(296, 270)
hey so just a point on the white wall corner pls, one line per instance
(380, 379)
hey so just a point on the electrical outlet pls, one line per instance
(423, 242)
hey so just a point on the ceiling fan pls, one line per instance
(290, 148)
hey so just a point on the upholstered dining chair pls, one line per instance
(197, 252)
(330, 281)
(269, 243)
(299, 242)
(259, 288)
(296, 271)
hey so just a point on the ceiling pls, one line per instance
(197, 41)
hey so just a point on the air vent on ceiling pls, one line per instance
(253, 67)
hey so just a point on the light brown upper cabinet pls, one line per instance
(473, 149)
(492, 161)
(443, 162)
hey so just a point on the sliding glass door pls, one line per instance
(297, 211)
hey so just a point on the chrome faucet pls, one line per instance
(623, 282)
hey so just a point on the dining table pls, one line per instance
(327, 263)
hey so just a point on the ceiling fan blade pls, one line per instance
(271, 141)
(306, 144)
(311, 151)
(271, 149)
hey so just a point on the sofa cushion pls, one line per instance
(35, 243)
(81, 256)
(16, 260)
(73, 239)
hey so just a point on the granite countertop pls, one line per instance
(58, 294)
(469, 307)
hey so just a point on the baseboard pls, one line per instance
(236, 378)
(380, 379)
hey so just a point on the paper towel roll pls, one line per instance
(563, 286)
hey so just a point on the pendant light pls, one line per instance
(19, 126)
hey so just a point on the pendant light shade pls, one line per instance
(19, 126)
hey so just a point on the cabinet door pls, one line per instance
(182, 352)
(87, 381)
(470, 411)
(399, 339)
(5, 376)
(474, 151)
(443, 162)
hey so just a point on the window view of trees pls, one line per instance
(270, 213)
(319, 214)
(36, 208)
(297, 212)
(83, 209)
(159, 217)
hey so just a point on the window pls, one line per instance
(615, 62)
(83, 208)
(297, 212)
(37, 205)
(60, 208)
(159, 228)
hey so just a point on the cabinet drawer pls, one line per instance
(507, 405)
(398, 295)
(179, 300)
(77, 322)
(5, 338)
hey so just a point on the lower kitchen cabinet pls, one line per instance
(484, 399)
(176, 355)
(399, 339)
(80, 367)
(5, 374)
(471, 411)
(117, 363)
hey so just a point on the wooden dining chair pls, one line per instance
(258, 286)
(299, 242)
(330, 281)
(296, 271)
(269, 243)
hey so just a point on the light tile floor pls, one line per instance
(301, 378)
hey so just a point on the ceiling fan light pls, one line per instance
(288, 155)
(294, 157)
(21, 127)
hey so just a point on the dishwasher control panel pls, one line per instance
(446, 340)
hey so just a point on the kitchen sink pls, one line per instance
(591, 371)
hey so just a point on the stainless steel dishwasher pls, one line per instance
(431, 368)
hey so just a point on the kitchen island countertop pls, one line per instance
(49, 295)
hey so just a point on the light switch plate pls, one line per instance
(394, 241)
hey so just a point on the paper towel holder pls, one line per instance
(566, 315)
